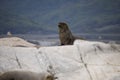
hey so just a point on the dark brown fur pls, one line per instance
(65, 35)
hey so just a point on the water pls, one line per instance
(53, 40)
(42, 40)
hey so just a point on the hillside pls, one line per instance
(17, 23)
(39, 16)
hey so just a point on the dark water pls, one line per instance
(102, 37)
(43, 40)
(53, 40)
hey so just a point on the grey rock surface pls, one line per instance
(85, 60)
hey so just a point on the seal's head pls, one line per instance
(49, 76)
(63, 27)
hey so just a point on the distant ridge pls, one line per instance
(39, 16)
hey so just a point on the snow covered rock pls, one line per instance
(85, 60)
(15, 41)
(102, 60)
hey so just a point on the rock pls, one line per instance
(15, 42)
(85, 60)
(101, 59)
(9, 34)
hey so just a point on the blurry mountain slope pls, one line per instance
(83, 16)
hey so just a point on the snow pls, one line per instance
(15, 41)
(85, 60)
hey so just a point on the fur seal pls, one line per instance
(65, 35)
(25, 75)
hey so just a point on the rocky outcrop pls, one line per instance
(15, 42)
(85, 60)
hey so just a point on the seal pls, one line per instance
(65, 35)
(25, 75)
